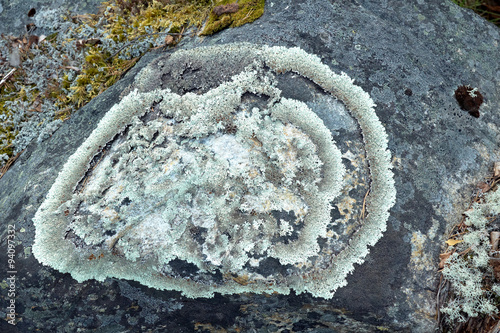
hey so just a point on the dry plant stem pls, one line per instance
(247, 15)
(7, 76)
(496, 328)
(438, 303)
(9, 163)
(363, 209)
(142, 36)
(465, 251)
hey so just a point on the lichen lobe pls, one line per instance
(216, 183)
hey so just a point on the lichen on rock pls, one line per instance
(217, 184)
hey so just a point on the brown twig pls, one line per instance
(496, 328)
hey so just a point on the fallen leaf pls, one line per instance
(494, 240)
(36, 106)
(223, 9)
(496, 169)
(32, 40)
(242, 279)
(452, 242)
(442, 259)
(484, 187)
(495, 263)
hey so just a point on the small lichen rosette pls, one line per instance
(203, 193)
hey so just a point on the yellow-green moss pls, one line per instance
(8, 93)
(136, 19)
(249, 11)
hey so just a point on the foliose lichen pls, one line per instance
(216, 186)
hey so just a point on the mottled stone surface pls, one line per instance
(410, 56)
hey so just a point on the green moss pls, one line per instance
(130, 19)
(9, 93)
(248, 11)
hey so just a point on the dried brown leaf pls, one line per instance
(484, 187)
(496, 169)
(442, 259)
(495, 263)
(224, 9)
(32, 40)
(494, 240)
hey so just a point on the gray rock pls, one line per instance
(410, 57)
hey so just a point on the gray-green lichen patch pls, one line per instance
(471, 261)
(217, 183)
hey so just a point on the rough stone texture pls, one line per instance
(410, 56)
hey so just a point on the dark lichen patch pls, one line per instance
(469, 99)
(31, 12)
(232, 14)
(183, 268)
(269, 266)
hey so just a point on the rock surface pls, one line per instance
(410, 57)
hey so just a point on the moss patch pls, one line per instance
(246, 11)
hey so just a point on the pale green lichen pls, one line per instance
(470, 297)
(216, 183)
